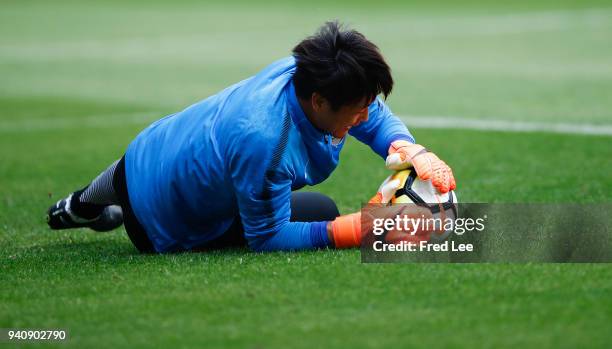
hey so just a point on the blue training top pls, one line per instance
(242, 151)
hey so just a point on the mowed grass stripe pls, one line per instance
(428, 122)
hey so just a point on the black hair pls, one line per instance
(341, 65)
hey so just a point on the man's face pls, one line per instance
(339, 122)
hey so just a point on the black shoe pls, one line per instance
(59, 216)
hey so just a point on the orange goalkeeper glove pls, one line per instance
(346, 230)
(402, 154)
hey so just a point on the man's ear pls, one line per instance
(318, 102)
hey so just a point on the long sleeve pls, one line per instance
(381, 129)
(262, 184)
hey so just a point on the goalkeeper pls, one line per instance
(222, 172)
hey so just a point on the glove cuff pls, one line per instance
(347, 230)
(396, 145)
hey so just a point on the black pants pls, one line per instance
(305, 207)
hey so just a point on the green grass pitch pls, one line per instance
(79, 80)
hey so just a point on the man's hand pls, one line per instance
(345, 231)
(385, 191)
(402, 154)
(413, 234)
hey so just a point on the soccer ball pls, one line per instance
(413, 190)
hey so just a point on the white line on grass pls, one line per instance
(435, 122)
(504, 125)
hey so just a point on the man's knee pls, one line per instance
(312, 207)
